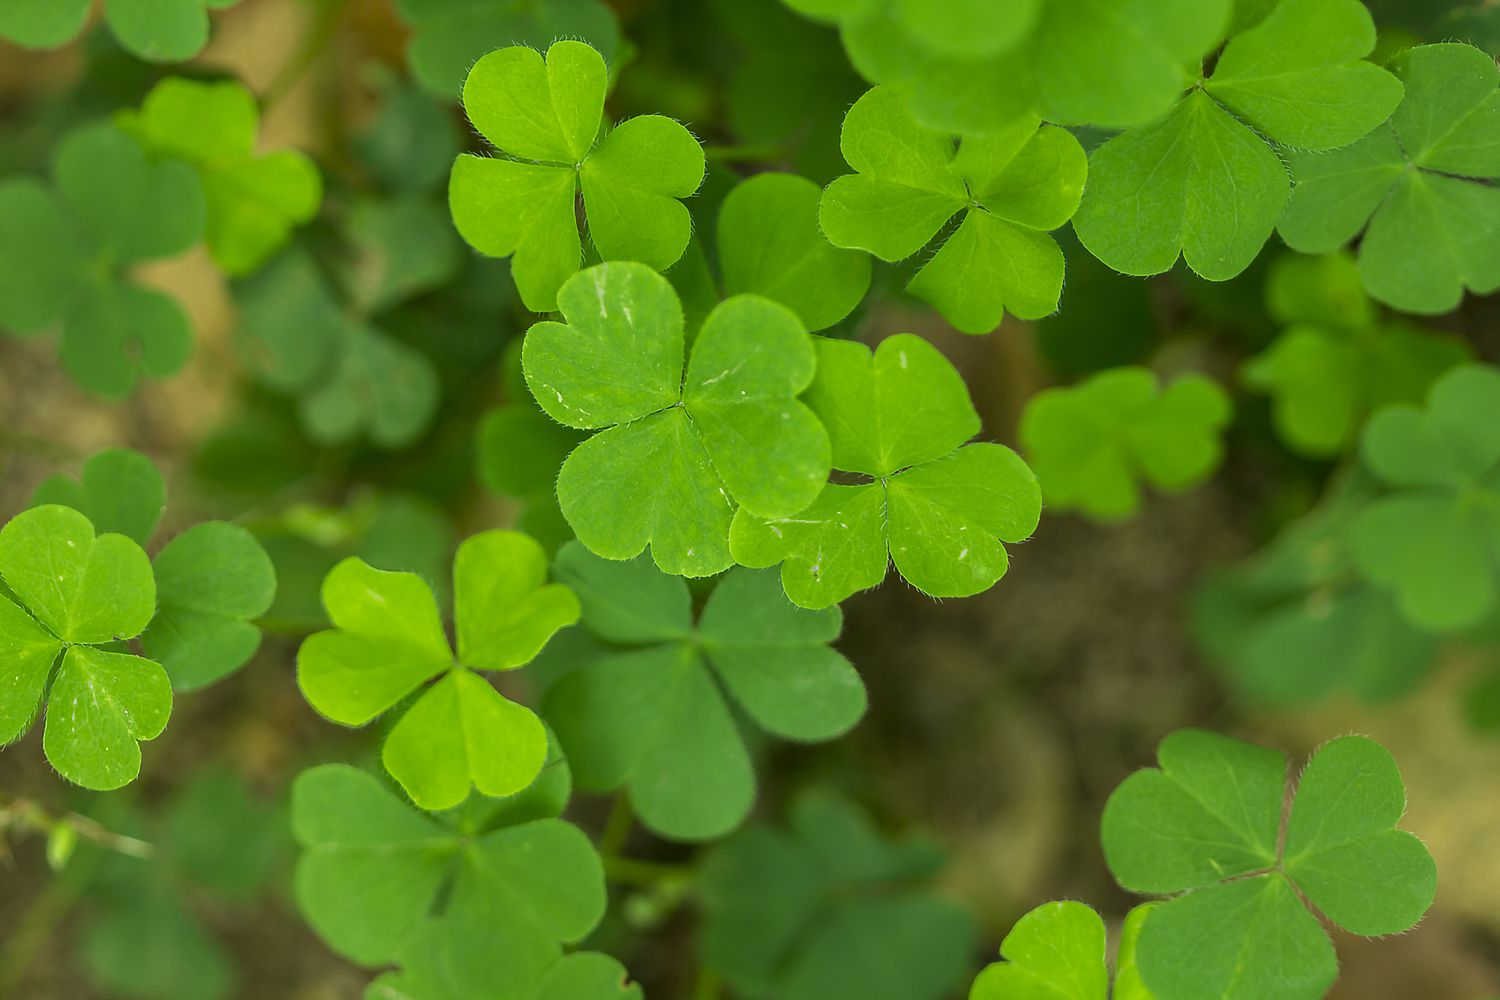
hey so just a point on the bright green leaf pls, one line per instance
(118, 490)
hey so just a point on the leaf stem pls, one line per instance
(26, 816)
(643, 874)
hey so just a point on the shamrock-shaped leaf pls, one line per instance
(119, 490)
(1203, 182)
(153, 30)
(1091, 444)
(350, 376)
(478, 902)
(655, 716)
(546, 118)
(1420, 187)
(388, 642)
(797, 914)
(254, 200)
(1206, 829)
(938, 508)
(1431, 541)
(1057, 951)
(681, 444)
(73, 594)
(448, 36)
(1010, 186)
(62, 256)
(770, 244)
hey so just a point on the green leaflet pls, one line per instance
(70, 592)
(64, 250)
(1092, 443)
(679, 445)
(797, 912)
(154, 30)
(119, 490)
(1204, 182)
(1418, 187)
(448, 36)
(545, 117)
(1430, 540)
(1057, 952)
(1338, 361)
(1010, 187)
(654, 716)
(582, 975)
(939, 509)
(254, 200)
(476, 903)
(1207, 825)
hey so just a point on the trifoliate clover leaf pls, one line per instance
(1430, 542)
(1206, 829)
(1057, 952)
(478, 902)
(119, 490)
(1094, 443)
(388, 643)
(1203, 182)
(72, 595)
(1010, 186)
(1420, 187)
(546, 118)
(351, 378)
(254, 200)
(154, 31)
(800, 913)
(448, 36)
(679, 444)
(63, 256)
(939, 509)
(655, 716)
(770, 244)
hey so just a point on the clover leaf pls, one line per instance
(1010, 186)
(1420, 188)
(938, 508)
(1204, 182)
(1205, 829)
(582, 975)
(448, 36)
(254, 200)
(1058, 951)
(64, 254)
(72, 595)
(475, 903)
(798, 913)
(1430, 541)
(685, 762)
(1091, 444)
(1337, 360)
(545, 117)
(388, 642)
(679, 444)
(770, 244)
(157, 32)
(119, 490)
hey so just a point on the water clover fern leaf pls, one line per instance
(545, 117)
(65, 252)
(1421, 187)
(679, 444)
(388, 642)
(1430, 541)
(150, 29)
(938, 508)
(255, 199)
(655, 715)
(1057, 951)
(73, 595)
(1091, 444)
(474, 903)
(1204, 181)
(1010, 186)
(1205, 829)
